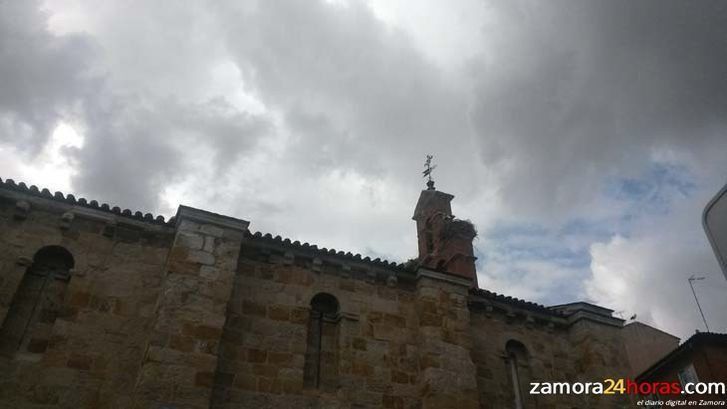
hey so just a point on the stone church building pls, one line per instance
(108, 308)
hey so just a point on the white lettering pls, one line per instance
(534, 388)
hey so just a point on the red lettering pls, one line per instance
(645, 388)
(631, 387)
(676, 388)
(664, 388)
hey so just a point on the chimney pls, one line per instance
(445, 243)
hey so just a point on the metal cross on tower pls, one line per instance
(428, 168)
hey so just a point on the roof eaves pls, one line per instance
(692, 342)
(297, 245)
(514, 301)
(9, 184)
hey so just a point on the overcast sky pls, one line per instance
(583, 138)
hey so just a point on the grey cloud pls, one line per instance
(228, 131)
(571, 93)
(135, 148)
(319, 145)
(646, 272)
(381, 103)
(43, 76)
(565, 96)
(136, 135)
(354, 94)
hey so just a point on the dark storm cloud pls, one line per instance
(136, 148)
(565, 94)
(572, 92)
(352, 92)
(126, 162)
(564, 100)
(573, 98)
(41, 76)
(135, 141)
(378, 103)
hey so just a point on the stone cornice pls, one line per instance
(585, 315)
(205, 217)
(82, 206)
(312, 250)
(446, 277)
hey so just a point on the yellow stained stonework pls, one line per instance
(106, 308)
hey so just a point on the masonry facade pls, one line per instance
(701, 358)
(105, 308)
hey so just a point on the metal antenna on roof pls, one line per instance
(691, 280)
(428, 168)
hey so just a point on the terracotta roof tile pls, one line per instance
(513, 301)
(33, 190)
(286, 242)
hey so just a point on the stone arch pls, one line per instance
(55, 260)
(517, 359)
(37, 302)
(429, 235)
(321, 357)
(325, 303)
(516, 348)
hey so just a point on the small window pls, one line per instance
(321, 358)
(37, 302)
(429, 236)
(688, 375)
(517, 358)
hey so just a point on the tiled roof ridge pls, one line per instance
(697, 337)
(706, 335)
(513, 300)
(286, 242)
(33, 190)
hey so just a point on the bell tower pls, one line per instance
(445, 243)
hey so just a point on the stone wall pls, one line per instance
(97, 340)
(178, 368)
(556, 351)
(198, 313)
(701, 358)
(598, 352)
(645, 345)
(262, 356)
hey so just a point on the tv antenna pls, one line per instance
(691, 280)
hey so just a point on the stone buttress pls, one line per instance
(181, 358)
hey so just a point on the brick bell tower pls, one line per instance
(445, 243)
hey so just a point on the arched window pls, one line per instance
(429, 236)
(36, 303)
(517, 362)
(321, 358)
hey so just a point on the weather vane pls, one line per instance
(428, 168)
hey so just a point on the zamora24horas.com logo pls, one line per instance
(628, 387)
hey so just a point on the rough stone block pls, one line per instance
(82, 362)
(212, 230)
(279, 312)
(245, 381)
(205, 379)
(191, 241)
(209, 244)
(280, 358)
(209, 272)
(299, 315)
(201, 257)
(256, 355)
(253, 308)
